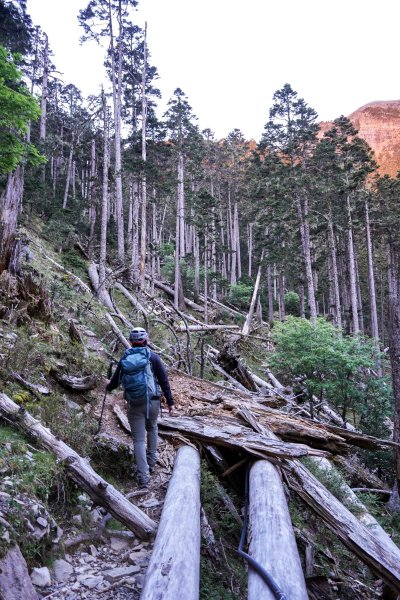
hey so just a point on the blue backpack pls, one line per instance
(137, 378)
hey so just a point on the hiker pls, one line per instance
(141, 373)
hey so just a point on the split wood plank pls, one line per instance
(174, 568)
(219, 433)
(80, 470)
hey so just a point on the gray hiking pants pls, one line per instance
(139, 425)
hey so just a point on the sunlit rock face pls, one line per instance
(379, 124)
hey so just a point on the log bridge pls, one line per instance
(240, 424)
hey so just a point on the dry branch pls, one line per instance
(122, 418)
(117, 331)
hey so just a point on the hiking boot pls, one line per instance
(151, 469)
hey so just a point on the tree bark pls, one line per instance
(271, 538)
(10, 206)
(352, 270)
(394, 353)
(143, 232)
(249, 318)
(335, 276)
(302, 213)
(371, 277)
(101, 290)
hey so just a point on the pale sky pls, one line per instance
(230, 56)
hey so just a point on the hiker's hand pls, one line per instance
(171, 410)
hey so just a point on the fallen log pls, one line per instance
(122, 418)
(37, 390)
(174, 568)
(194, 328)
(76, 384)
(272, 541)
(170, 292)
(117, 331)
(223, 306)
(364, 490)
(135, 303)
(231, 363)
(345, 526)
(381, 557)
(101, 292)
(363, 514)
(358, 474)
(80, 471)
(217, 432)
(15, 582)
(271, 538)
(231, 380)
(296, 429)
(78, 281)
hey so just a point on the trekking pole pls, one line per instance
(109, 375)
(102, 410)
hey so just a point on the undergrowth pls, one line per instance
(224, 578)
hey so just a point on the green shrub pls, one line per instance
(330, 365)
(292, 304)
(240, 295)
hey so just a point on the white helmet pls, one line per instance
(138, 335)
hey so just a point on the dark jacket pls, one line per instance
(159, 372)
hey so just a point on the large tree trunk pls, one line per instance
(271, 538)
(237, 240)
(91, 199)
(69, 172)
(352, 270)
(174, 569)
(371, 277)
(116, 88)
(302, 213)
(101, 291)
(143, 232)
(270, 295)
(43, 99)
(181, 205)
(394, 353)
(205, 276)
(10, 206)
(334, 271)
(249, 318)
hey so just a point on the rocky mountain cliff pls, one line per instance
(379, 124)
